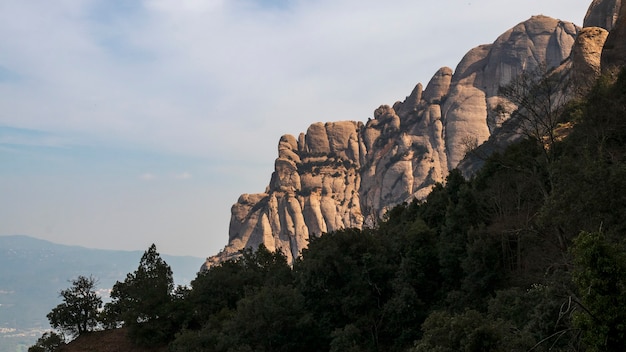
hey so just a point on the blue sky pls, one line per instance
(124, 123)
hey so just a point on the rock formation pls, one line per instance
(602, 13)
(580, 70)
(347, 174)
(586, 55)
(614, 51)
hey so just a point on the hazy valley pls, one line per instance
(33, 271)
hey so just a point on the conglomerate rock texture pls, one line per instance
(347, 174)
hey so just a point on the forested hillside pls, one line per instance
(527, 255)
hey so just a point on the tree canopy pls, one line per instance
(143, 302)
(78, 313)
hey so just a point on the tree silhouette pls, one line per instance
(79, 311)
(143, 302)
(540, 97)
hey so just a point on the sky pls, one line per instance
(125, 123)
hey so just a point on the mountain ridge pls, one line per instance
(20, 239)
(349, 173)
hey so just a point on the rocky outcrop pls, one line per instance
(347, 174)
(614, 50)
(314, 189)
(602, 13)
(580, 70)
(586, 55)
(469, 110)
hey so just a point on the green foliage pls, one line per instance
(78, 313)
(272, 319)
(224, 285)
(469, 331)
(482, 268)
(411, 247)
(460, 217)
(600, 274)
(220, 300)
(144, 301)
(48, 342)
(539, 315)
(592, 167)
(345, 279)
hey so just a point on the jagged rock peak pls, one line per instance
(411, 103)
(438, 86)
(347, 174)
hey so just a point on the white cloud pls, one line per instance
(202, 77)
(147, 176)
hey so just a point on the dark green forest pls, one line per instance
(528, 255)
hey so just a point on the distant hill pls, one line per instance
(33, 271)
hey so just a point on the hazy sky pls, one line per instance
(128, 122)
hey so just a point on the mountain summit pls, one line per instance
(349, 173)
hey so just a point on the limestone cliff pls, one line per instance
(347, 174)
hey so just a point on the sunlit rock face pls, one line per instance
(314, 189)
(469, 112)
(579, 71)
(586, 56)
(347, 174)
